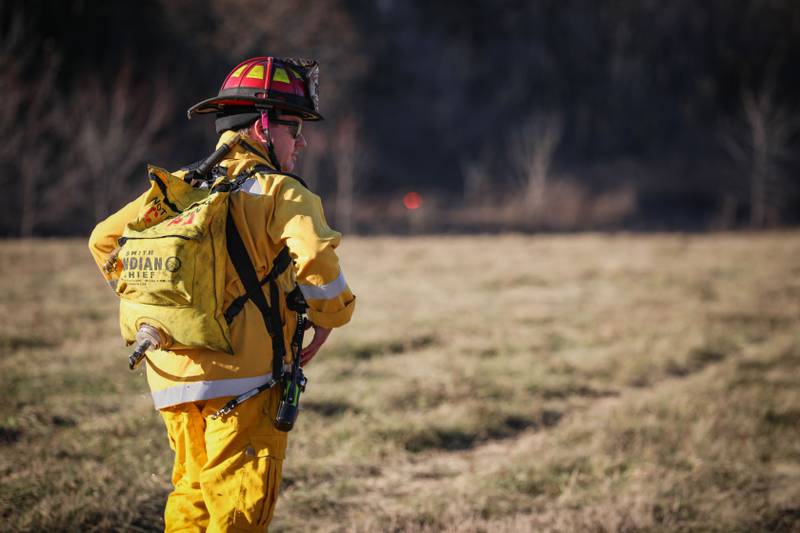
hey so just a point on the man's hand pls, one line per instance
(320, 336)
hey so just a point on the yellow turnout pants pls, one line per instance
(227, 471)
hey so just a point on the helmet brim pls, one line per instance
(218, 104)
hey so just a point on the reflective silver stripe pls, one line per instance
(324, 292)
(113, 284)
(205, 390)
(251, 186)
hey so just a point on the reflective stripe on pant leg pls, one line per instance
(185, 509)
(241, 478)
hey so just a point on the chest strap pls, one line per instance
(279, 266)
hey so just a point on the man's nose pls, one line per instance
(301, 141)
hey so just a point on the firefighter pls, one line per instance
(227, 470)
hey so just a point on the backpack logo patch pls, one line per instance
(172, 264)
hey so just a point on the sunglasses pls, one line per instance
(295, 127)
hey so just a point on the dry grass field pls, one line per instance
(508, 383)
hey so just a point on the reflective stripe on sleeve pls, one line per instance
(205, 390)
(326, 291)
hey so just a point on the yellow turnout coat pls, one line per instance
(285, 213)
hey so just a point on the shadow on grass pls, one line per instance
(453, 439)
(371, 350)
(698, 359)
(789, 418)
(9, 435)
(781, 521)
(582, 391)
(307, 477)
(328, 408)
(13, 343)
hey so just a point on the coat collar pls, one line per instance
(247, 152)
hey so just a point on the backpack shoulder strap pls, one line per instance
(247, 273)
(279, 264)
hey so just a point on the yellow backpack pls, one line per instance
(172, 259)
(170, 266)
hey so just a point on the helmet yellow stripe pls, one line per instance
(256, 72)
(280, 75)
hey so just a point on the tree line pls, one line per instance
(543, 115)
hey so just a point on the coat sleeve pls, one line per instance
(299, 222)
(103, 239)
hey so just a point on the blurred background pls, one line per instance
(495, 115)
(616, 358)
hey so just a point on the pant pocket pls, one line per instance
(260, 481)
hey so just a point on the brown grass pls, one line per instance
(510, 383)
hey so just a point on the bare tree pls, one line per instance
(344, 158)
(57, 144)
(532, 151)
(319, 29)
(114, 127)
(311, 162)
(476, 174)
(27, 116)
(761, 141)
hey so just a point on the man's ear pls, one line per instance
(258, 132)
